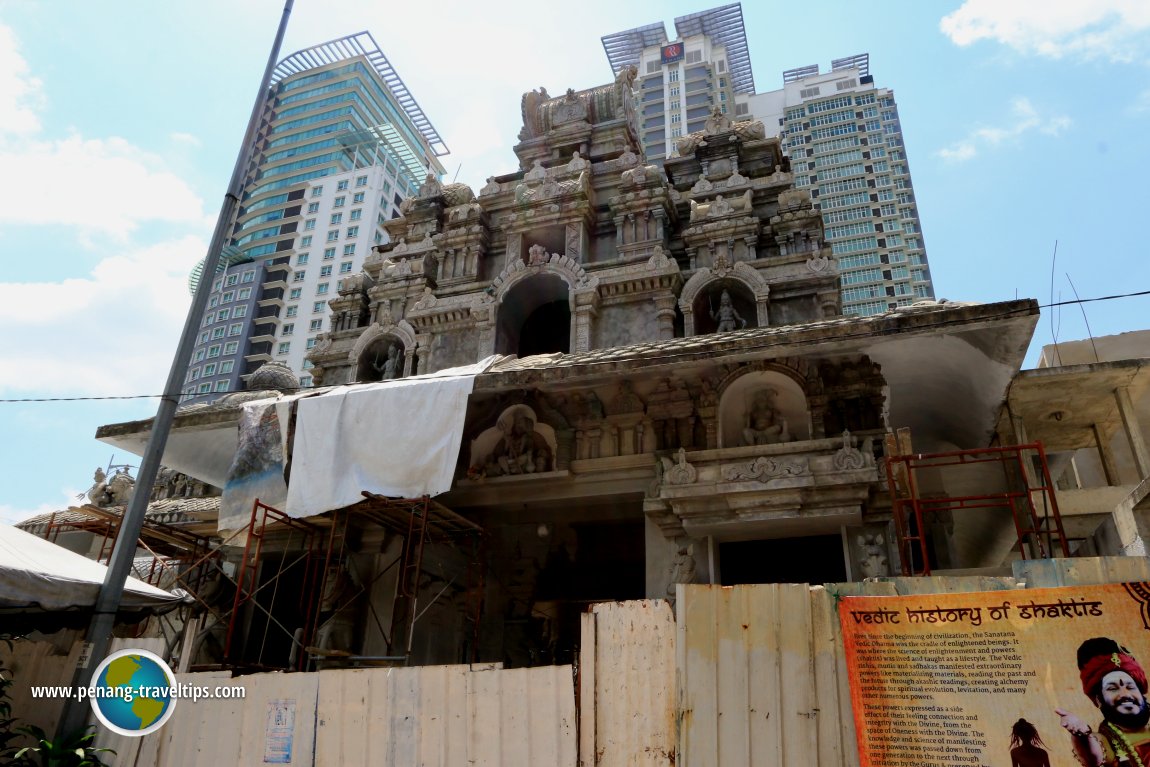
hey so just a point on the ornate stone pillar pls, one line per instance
(829, 302)
(574, 241)
(408, 361)
(586, 309)
(422, 357)
(665, 315)
(514, 247)
(763, 307)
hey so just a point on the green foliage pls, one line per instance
(76, 750)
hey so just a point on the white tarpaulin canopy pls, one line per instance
(396, 438)
(38, 574)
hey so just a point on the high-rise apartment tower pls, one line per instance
(841, 132)
(844, 138)
(341, 143)
(681, 81)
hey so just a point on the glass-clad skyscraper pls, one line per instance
(341, 143)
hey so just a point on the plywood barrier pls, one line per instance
(627, 685)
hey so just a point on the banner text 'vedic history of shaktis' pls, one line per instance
(940, 679)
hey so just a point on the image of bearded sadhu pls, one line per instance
(1116, 684)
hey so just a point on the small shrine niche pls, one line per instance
(724, 305)
(763, 408)
(539, 244)
(517, 444)
(535, 317)
(382, 361)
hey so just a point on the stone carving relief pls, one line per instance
(680, 472)
(720, 207)
(570, 109)
(763, 404)
(764, 469)
(111, 491)
(173, 484)
(671, 411)
(390, 365)
(716, 123)
(726, 315)
(765, 424)
(491, 187)
(577, 164)
(529, 108)
(520, 448)
(430, 187)
(682, 567)
(850, 458)
(584, 412)
(871, 553)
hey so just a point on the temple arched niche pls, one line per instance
(763, 407)
(517, 444)
(535, 317)
(710, 309)
(381, 360)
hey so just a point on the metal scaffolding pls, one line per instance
(1028, 498)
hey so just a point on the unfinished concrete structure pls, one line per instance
(679, 400)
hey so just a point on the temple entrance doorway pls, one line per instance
(813, 559)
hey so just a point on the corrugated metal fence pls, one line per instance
(744, 676)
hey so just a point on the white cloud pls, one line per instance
(185, 138)
(110, 333)
(1024, 118)
(97, 185)
(1141, 103)
(1112, 29)
(10, 515)
(19, 92)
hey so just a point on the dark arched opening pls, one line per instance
(547, 330)
(535, 318)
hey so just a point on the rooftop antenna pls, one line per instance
(1053, 331)
(1082, 306)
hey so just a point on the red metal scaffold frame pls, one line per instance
(1038, 535)
(248, 577)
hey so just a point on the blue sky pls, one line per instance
(120, 122)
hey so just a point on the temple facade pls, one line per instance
(674, 397)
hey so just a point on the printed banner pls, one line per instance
(1020, 678)
(257, 470)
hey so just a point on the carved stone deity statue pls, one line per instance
(536, 255)
(111, 491)
(765, 424)
(717, 123)
(390, 367)
(521, 449)
(682, 567)
(726, 315)
(430, 187)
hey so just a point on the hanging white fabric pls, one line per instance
(396, 438)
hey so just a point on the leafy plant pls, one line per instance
(76, 750)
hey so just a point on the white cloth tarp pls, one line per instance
(396, 438)
(38, 573)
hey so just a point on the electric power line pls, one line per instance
(946, 323)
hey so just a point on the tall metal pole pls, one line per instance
(99, 635)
